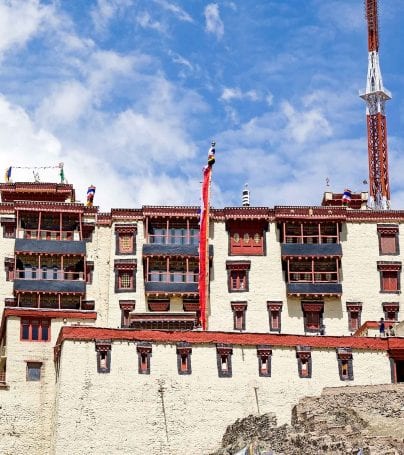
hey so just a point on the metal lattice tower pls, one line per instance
(375, 96)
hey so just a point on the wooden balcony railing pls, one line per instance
(172, 277)
(48, 274)
(316, 277)
(47, 234)
(164, 239)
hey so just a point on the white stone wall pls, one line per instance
(26, 407)
(122, 411)
(360, 283)
(266, 282)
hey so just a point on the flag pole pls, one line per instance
(203, 284)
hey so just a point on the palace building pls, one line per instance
(102, 345)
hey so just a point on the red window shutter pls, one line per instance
(275, 319)
(354, 321)
(389, 281)
(388, 244)
(313, 320)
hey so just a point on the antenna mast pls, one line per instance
(375, 96)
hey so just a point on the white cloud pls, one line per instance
(179, 13)
(145, 20)
(236, 93)
(20, 20)
(105, 10)
(213, 23)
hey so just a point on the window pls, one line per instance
(125, 238)
(239, 320)
(144, 352)
(9, 268)
(237, 272)
(35, 330)
(103, 348)
(391, 310)
(345, 368)
(354, 310)
(9, 229)
(34, 371)
(89, 271)
(389, 276)
(125, 270)
(388, 239)
(126, 307)
(274, 312)
(223, 356)
(246, 238)
(184, 351)
(264, 354)
(304, 366)
(313, 316)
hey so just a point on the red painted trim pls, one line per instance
(241, 339)
(56, 314)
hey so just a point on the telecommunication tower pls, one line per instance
(376, 96)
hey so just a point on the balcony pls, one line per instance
(314, 289)
(311, 249)
(50, 246)
(58, 284)
(163, 321)
(158, 287)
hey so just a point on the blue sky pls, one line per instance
(129, 94)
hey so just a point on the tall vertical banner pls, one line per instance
(204, 237)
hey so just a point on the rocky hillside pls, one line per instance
(342, 420)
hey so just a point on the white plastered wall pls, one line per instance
(165, 413)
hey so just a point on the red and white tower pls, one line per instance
(375, 96)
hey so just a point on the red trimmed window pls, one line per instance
(144, 351)
(239, 310)
(125, 238)
(264, 354)
(391, 310)
(274, 312)
(103, 348)
(345, 367)
(9, 268)
(388, 239)
(223, 357)
(389, 276)
(35, 330)
(9, 230)
(246, 238)
(184, 351)
(237, 272)
(304, 365)
(126, 307)
(313, 316)
(125, 275)
(354, 310)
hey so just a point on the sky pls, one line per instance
(129, 94)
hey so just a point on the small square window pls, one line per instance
(388, 239)
(34, 371)
(125, 239)
(389, 281)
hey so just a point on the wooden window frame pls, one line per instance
(40, 323)
(274, 311)
(126, 307)
(123, 230)
(184, 351)
(310, 308)
(388, 231)
(393, 269)
(354, 308)
(242, 229)
(144, 353)
(389, 308)
(345, 365)
(224, 353)
(264, 354)
(239, 315)
(33, 364)
(304, 363)
(125, 266)
(103, 349)
(9, 268)
(241, 267)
